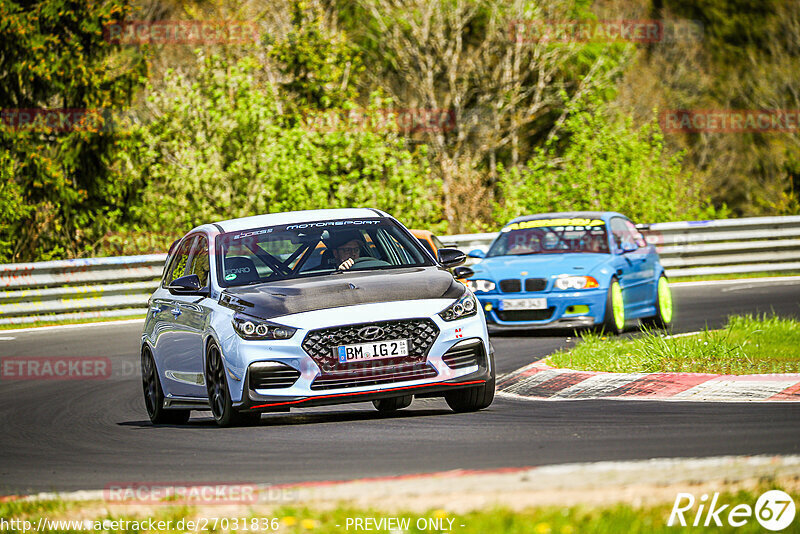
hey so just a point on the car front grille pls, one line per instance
(464, 355)
(511, 285)
(321, 345)
(272, 375)
(374, 375)
(526, 315)
(535, 284)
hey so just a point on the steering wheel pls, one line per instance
(369, 261)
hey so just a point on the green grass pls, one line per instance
(747, 345)
(545, 520)
(743, 276)
(542, 520)
(70, 321)
(22, 508)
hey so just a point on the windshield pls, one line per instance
(313, 249)
(551, 236)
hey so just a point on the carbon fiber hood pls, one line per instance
(300, 295)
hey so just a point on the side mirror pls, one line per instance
(451, 257)
(463, 272)
(628, 247)
(187, 285)
(476, 253)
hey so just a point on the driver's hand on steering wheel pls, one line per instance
(346, 264)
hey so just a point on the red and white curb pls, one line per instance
(540, 381)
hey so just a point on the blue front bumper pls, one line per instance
(565, 309)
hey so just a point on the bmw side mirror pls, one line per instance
(187, 285)
(463, 272)
(476, 253)
(451, 257)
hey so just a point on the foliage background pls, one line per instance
(304, 117)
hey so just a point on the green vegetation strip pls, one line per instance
(747, 345)
(541, 520)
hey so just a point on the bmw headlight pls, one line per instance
(566, 282)
(480, 286)
(465, 306)
(256, 329)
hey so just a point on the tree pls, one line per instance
(217, 148)
(743, 56)
(55, 64)
(478, 61)
(602, 162)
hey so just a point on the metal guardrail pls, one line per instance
(76, 289)
(119, 286)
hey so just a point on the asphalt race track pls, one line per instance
(69, 435)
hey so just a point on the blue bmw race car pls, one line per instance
(567, 270)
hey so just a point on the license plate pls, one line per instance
(523, 304)
(374, 350)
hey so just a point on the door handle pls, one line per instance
(176, 311)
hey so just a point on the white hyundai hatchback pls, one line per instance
(310, 308)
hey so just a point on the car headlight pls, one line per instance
(480, 286)
(465, 306)
(252, 328)
(576, 282)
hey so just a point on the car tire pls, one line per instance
(219, 396)
(154, 395)
(392, 404)
(614, 318)
(471, 399)
(664, 310)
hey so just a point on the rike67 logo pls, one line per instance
(774, 510)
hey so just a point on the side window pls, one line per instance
(637, 236)
(437, 243)
(424, 243)
(177, 265)
(621, 232)
(198, 264)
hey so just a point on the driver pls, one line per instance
(346, 250)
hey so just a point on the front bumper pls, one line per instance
(257, 402)
(565, 309)
(313, 385)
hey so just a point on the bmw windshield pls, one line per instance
(551, 236)
(319, 248)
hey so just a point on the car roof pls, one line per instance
(604, 215)
(294, 217)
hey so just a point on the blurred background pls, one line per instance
(126, 123)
